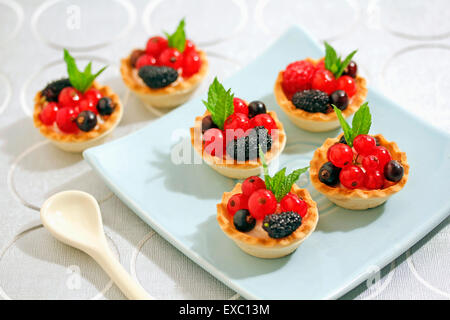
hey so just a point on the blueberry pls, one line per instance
(86, 120)
(340, 99)
(393, 171)
(255, 108)
(329, 174)
(207, 123)
(243, 221)
(105, 106)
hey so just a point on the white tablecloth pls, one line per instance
(403, 51)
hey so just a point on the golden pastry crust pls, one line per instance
(108, 121)
(128, 77)
(309, 222)
(289, 108)
(277, 147)
(320, 157)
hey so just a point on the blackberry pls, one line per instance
(280, 225)
(329, 174)
(311, 100)
(52, 90)
(247, 148)
(157, 77)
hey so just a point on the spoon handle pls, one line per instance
(129, 287)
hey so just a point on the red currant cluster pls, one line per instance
(158, 53)
(366, 165)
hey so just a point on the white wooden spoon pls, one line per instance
(74, 218)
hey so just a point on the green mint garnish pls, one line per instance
(279, 184)
(362, 120)
(220, 103)
(80, 80)
(177, 39)
(334, 63)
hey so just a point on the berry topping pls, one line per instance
(145, 60)
(329, 174)
(52, 90)
(172, 58)
(340, 155)
(339, 98)
(280, 225)
(246, 148)
(252, 184)
(86, 120)
(382, 154)
(393, 171)
(370, 163)
(93, 95)
(237, 202)
(65, 119)
(207, 123)
(297, 77)
(364, 144)
(311, 100)
(347, 84)
(214, 142)
(240, 106)
(263, 120)
(291, 202)
(69, 97)
(342, 140)
(243, 221)
(351, 70)
(156, 45)
(261, 203)
(48, 114)
(374, 180)
(324, 80)
(361, 123)
(255, 108)
(158, 77)
(87, 105)
(191, 63)
(105, 106)
(135, 55)
(237, 121)
(352, 177)
(189, 47)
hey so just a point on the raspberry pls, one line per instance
(297, 77)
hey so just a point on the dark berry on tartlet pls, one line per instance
(157, 77)
(86, 120)
(255, 108)
(329, 174)
(342, 140)
(339, 98)
(280, 225)
(243, 220)
(208, 123)
(135, 55)
(311, 100)
(393, 171)
(52, 90)
(351, 69)
(105, 106)
(247, 147)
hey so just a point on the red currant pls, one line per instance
(352, 177)
(214, 142)
(374, 180)
(65, 119)
(240, 106)
(237, 202)
(321, 65)
(291, 202)
(261, 203)
(252, 184)
(347, 84)
(364, 144)
(48, 114)
(156, 45)
(370, 163)
(93, 95)
(340, 155)
(69, 97)
(237, 123)
(265, 120)
(189, 47)
(88, 105)
(382, 154)
(145, 60)
(324, 80)
(171, 57)
(191, 63)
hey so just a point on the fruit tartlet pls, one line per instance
(76, 113)
(167, 72)
(357, 170)
(268, 219)
(228, 135)
(307, 88)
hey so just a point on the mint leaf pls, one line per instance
(220, 103)
(348, 132)
(177, 39)
(333, 62)
(344, 64)
(80, 80)
(362, 120)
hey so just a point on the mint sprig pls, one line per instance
(334, 63)
(279, 184)
(80, 80)
(220, 103)
(177, 39)
(362, 120)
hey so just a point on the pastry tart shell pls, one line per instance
(268, 248)
(229, 167)
(171, 96)
(78, 142)
(318, 121)
(357, 199)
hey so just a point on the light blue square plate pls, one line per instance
(179, 201)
